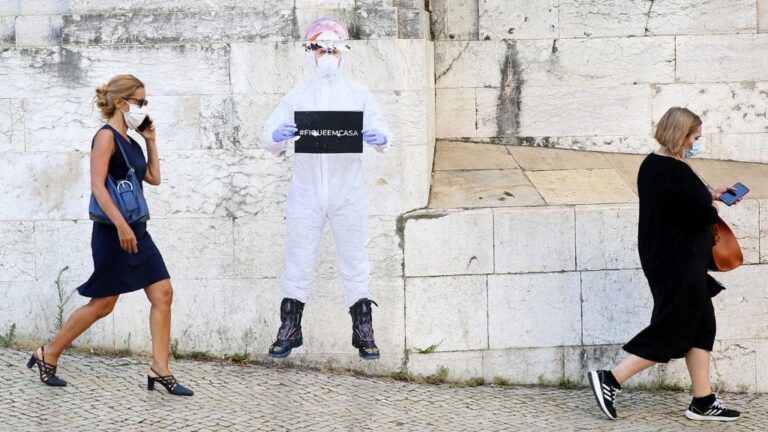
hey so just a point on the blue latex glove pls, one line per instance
(284, 132)
(374, 137)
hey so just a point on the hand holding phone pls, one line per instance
(730, 197)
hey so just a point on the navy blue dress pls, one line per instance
(116, 271)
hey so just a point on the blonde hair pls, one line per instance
(674, 127)
(120, 86)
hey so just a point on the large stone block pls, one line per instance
(245, 125)
(461, 365)
(726, 58)
(455, 112)
(524, 366)
(43, 7)
(386, 180)
(744, 220)
(455, 19)
(372, 62)
(178, 27)
(449, 312)
(38, 30)
(17, 258)
(606, 237)
(413, 23)
(200, 248)
(408, 116)
(464, 64)
(762, 18)
(729, 108)
(440, 244)
(251, 308)
(11, 125)
(148, 6)
(582, 359)
(10, 8)
(601, 18)
(741, 309)
(747, 147)
(52, 188)
(63, 244)
(763, 231)
(521, 307)
(616, 305)
(761, 358)
(522, 246)
(60, 124)
(595, 62)
(34, 308)
(77, 71)
(518, 19)
(734, 365)
(572, 111)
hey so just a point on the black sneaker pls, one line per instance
(289, 335)
(606, 390)
(715, 411)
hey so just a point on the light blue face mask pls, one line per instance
(694, 150)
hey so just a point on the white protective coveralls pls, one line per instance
(328, 186)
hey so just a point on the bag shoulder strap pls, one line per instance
(117, 136)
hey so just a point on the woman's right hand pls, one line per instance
(127, 239)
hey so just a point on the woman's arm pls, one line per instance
(103, 148)
(689, 199)
(153, 161)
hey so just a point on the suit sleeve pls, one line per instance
(374, 119)
(282, 114)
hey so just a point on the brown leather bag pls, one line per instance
(726, 252)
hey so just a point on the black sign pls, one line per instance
(329, 131)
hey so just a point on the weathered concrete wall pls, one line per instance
(214, 70)
(542, 294)
(597, 74)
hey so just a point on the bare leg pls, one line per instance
(629, 367)
(80, 320)
(160, 294)
(697, 361)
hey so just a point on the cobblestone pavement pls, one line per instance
(109, 394)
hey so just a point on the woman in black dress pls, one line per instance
(675, 242)
(124, 256)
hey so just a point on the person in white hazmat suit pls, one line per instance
(326, 186)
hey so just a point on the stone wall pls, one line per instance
(544, 294)
(597, 74)
(214, 70)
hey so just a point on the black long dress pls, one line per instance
(675, 245)
(115, 270)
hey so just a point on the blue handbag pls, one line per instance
(127, 195)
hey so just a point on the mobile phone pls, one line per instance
(145, 124)
(730, 197)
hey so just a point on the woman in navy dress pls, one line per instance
(125, 258)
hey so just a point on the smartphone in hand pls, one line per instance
(730, 198)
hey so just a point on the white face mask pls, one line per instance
(327, 66)
(135, 116)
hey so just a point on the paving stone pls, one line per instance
(482, 188)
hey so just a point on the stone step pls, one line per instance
(472, 175)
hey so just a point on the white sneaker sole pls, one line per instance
(594, 383)
(693, 416)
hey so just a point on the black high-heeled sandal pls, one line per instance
(170, 384)
(47, 370)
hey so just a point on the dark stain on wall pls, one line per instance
(508, 107)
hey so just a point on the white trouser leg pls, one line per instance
(349, 224)
(305, 231)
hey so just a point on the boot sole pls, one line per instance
(287, 353)
(370, 357)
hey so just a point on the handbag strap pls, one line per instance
(117, 143)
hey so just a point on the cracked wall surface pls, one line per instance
(597, 74)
